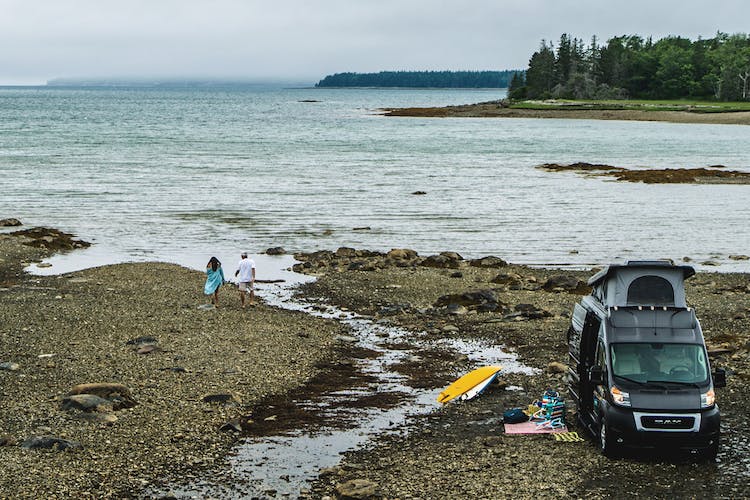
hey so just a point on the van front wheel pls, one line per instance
(607, 444)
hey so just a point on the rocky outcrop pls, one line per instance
(480, 300)
(50, 239)
(444, 260)
(488, 262)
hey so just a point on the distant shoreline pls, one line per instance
(495, 110)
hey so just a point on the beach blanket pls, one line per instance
(531, 428)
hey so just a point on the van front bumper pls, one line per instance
(664, 431)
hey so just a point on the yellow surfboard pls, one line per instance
(470, 384)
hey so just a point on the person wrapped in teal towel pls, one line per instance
(214, 280)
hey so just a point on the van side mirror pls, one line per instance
(596, 375)
(720, 377)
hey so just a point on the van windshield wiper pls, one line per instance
(674, 382)
(630, 380)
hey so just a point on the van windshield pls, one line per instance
(655, 362)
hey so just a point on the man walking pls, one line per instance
(246, 279)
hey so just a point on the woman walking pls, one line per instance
(214, 279)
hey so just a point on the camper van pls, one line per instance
(639, 371)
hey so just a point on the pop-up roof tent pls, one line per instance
(639, 283)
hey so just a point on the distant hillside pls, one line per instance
(423, 79)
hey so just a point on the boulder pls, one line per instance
(507, 279)
(118, 394)
(401, 254)
(480, 300)
(275, 251)
(86, 402)
(567, 283)
(457, 274)
(10, 223)
(50, 443)
(739, 257)
(532, 312)
(357, 489)
(488, 262)
(449, 260)
(556, 367)
(346, 252)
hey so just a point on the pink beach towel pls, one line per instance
(531, 428)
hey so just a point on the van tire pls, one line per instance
(711, 451)
(607, 445)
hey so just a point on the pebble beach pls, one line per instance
(186, 373)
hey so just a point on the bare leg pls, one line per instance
(216, 298)
(242, 298)
(252, 296)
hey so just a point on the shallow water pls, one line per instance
(284, 465)
(182, 174)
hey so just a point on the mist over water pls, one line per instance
(181, 174)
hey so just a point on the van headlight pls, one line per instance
(621, 398)
(708, 398)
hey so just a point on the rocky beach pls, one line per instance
(498, 110)
(175, 384)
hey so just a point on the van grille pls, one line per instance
(667, 422)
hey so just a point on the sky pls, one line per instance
(304, 40)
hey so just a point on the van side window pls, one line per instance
(600, 360)
(650, 290)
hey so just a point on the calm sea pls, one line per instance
(181, 174)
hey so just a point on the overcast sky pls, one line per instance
(303, 40)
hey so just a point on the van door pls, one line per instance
(588, 351)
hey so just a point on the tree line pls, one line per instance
(632, 67)
(438, 79)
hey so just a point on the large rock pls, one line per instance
(118, 394)
(401, 254)
(10, 223)
(488, 262)
(507, 279)
(480, 300)
(275, 251)
(86, 402)
(449, 260)
(357, 489)
(346, 252)
(567, 283)
(50, 443)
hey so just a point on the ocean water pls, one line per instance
(185, 173)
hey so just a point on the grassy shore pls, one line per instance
(736, 113)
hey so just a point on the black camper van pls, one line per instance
(639, 372)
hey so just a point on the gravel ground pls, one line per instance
(461, 451)
(80, 324)
(60, 331)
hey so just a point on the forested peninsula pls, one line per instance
(422, 79)
(633, 67)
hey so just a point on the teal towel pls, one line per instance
(214, 280)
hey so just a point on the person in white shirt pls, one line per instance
(246, 279)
